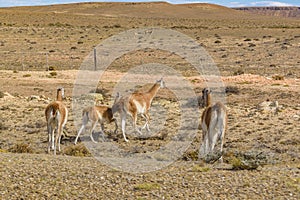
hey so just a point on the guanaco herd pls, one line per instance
(213, 119)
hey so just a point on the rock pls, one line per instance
(43, 97)
(95, 96)
(269, 107)
(34, 97)
(7, 95)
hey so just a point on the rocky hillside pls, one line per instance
(274, 11)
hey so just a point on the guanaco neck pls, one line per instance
(59, 95)
(153, 90)
(208, 100)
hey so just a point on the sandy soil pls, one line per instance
(271, 139)
(258, 59)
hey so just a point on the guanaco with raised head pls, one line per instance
(213, 123)
(56, 117)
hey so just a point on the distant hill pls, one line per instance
(293, 12)
(136, 10)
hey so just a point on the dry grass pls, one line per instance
(147, 186)
(21, 148)
(241, 44)
(77, 150)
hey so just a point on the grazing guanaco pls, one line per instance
(136, 103)
(213, 123)
(96, 114)
(56, 117)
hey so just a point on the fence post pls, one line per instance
(95, 59)
(47, 65)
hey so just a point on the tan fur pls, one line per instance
(213, 123)
(137, 103)
(96, 114)
(56, 117)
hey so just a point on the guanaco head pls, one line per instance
(161, 82)
(117, 103)
(206, 96)
(60, 94)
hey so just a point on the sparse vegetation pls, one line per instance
(190, 155)
(232, 90)
(21, 148)
(52, 68)
(27, 75)
(198, 168)
(246, 160)
(147, 186)
(278, 77)
(77, 150)
(41, 42)
(53, 74)
(238, 72)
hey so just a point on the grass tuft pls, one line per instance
(278, 77)
(77, 150)
(147, 186)
(190, 156)
(198, 168)
(53, 73)
(21, 148)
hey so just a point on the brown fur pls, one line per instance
(96, 114)
(56, 117)
(211, 124)
(136, 103)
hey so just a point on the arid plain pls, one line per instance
(259, 63)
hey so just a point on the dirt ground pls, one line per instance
(258, 59)
(267, 137)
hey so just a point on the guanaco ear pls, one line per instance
(206, 91)
(118, 96)
(62, 90)
(162, 83)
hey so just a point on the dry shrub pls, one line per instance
(77, 150)
(3, 150)
(246, 160)
(232, 90)
(238, 72)
(3, 126)
(278, 77)
(190, 156)
(147, 186)
(21, 148)
(51, 68)
(1, 94)
(198, 168)
(27, 75)
(53, 73)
